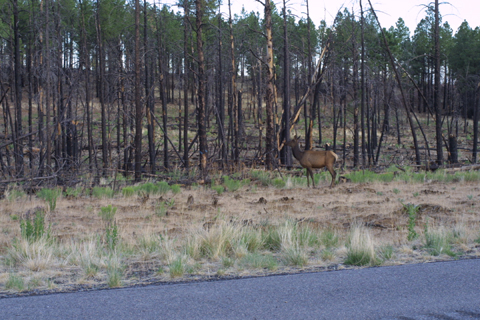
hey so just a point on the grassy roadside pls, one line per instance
(35, 254)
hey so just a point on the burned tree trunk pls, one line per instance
(138, 105)
(269, 99)
(202, 132)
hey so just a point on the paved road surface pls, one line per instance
(445, 290)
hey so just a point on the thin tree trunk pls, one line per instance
(149, 93)
(185, 84)
(30, 92)
(18, 150)
(232, 92)
(47, 88)
(476, 116)
(202, 130)
(220, 104)
(363, 88)
(270, 132)
(310, 114)
(101, 87)
(438, 111)
(162, 88)
(286, 154)
(356, 155)
(138, 105)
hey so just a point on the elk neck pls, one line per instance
(297, 153)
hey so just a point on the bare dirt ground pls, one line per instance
(379, 206)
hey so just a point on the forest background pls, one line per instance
(93, 88)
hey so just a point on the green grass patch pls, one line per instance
(385, 252)
(147, 188)
(295, 256)
(15, 282)
(329, 238)
(438, 242)
(259, 261)
(231, 184)
(107, 214)
(50, 197)
(102, 192)
(73, 192)
(128, 192)
(114, 277)
(163, 187)
(412, 211)
(175, 188)
(32, 227)
(278, 183)
(177, 267)
(218, 188)
(13, 195)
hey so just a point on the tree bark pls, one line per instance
(138, 105)
(162, 88)
(438, 111)
(202, 132)
(220, 98)
(149, 92)
(18, 92)
(101, 90)
(232, 92)
(363, 88)
(185, 83)
(269, 99)
(286, 154)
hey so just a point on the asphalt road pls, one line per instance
(444, 290)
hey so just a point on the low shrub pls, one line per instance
(107, 214)
(50, 197)
(102, 192)
(128, 191)
(163, 187)
(175, 188)
(231, 184)
(218, 188)
(32, 227)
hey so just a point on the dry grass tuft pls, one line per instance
(361, 247)
(34, 255)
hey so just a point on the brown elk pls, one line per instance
(310, 159)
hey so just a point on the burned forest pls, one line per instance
(94, 89)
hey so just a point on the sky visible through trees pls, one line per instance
(411, 11)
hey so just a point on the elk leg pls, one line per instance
(310, 172)
(334, 175)
(308, 179)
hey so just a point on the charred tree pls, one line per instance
(269, 94)
(138, 105)
(149, 92)
(437, 106)
(202, 130)
(286, 154)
